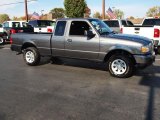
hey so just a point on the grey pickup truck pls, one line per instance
(89, 39)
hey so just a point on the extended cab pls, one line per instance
(89, 39)
(150, 28)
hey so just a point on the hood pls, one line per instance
(134, 38)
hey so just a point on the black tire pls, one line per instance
(158, 50)
(35, 56)
(127, 68)
(2, 41)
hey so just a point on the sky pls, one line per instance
(136, 8)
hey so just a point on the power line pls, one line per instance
(16, 3)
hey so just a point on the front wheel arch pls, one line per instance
(119, 52)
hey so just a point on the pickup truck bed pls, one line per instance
(41, 40)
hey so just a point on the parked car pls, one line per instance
(117, 24)
(88, 39)
(150, 28)
(12, 27)
(1, 35)
(1, 38)
(42, 25)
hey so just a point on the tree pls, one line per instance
(4, 17)
(58, 13)
(131, 18)
(119, 13)
(75, 8)
(154, 11)
(87, 12)
(97, 15)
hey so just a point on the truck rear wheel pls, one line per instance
(1, 41)
(31, 56)
(120, 66)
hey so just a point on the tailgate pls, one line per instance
(149, 32)
(141, 31)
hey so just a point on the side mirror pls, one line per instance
(89, 34)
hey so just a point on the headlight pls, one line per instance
(145, 49)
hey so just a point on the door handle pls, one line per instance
(69, 40)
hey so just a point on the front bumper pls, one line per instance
(144, 60)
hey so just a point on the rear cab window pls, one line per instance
(46, 23)
(16, 24)
(112, 23)
(151, 22)
(60, 28)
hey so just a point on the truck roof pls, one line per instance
(66, 19)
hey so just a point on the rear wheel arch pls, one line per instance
(27, 45)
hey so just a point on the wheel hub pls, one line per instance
(119, 67)
(30, 57)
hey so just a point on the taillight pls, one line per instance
(156, 33)
(49, 30)
(12, 31)
(121, 30)
(20, 31)
(11, 40)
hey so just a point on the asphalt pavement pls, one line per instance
(75, 90)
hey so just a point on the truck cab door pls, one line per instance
(58, 39)
(78, 44)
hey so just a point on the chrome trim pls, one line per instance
(78, 51)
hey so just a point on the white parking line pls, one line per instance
(157, 59)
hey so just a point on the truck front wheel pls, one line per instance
(120, 66)
(31, 56)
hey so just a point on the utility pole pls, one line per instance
(26, 10)
(103, 9)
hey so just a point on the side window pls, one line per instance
(130, 23)
(0, 25)
(124, 23)
(78, 28)
(32, 23)
(60, 28)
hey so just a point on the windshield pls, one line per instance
(100, 26)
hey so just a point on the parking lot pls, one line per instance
(75, 90)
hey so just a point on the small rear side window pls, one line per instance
(113, 23)
(130, 23)
(60, 28)
(124, 23)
